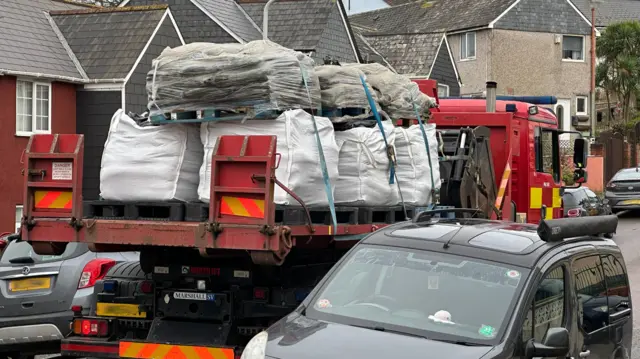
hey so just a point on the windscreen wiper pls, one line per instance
(462, 342)
(387, 330)
(25, 259)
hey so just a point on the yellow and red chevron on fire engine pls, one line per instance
(136, 350)
(53, 199)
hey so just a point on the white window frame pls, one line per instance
(34, 85)
(584, 49)
(463, 37)
(586, 106)
(19, 209)
(445, 88)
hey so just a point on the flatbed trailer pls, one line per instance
(205, 286)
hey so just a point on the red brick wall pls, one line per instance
(63, 120)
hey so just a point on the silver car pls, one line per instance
(37, 294)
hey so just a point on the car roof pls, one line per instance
(505, 242)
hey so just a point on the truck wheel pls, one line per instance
(126, 270)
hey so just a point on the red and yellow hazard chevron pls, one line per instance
(53, 199)
(242, 207)
(168, 351)
(548, 196)
(503, 186)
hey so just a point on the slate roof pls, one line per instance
(367, 52)
(432, 16)
(233, 16)
(610, 11)
(108, 41)
(408, 54)
(29, 44)
(293, 23)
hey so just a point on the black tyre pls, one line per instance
(126, 270)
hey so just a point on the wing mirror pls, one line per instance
(555, 344)
(580, 152)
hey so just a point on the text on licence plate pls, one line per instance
(119, 310)
(20, 285)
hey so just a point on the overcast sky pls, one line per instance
(363, 5)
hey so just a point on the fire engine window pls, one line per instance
(547, 152)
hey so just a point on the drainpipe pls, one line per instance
(491, 96)
(593, 71)
(265, 20)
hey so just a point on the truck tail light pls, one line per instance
(146, 287)
(95, 270)
(91, 327)
(574, 212)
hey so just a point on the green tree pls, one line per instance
(619, 70)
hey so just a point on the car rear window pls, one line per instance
(626, 176)
(573, 199)
(20, 252)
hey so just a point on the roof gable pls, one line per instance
(610, 11)
(408, 54)
(232, 16)
(108, 42)
(29, 44)
(294, 24)
(227, 14)
(551, 16)
(432, 16)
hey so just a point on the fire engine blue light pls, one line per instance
(109, 285)
(534, 100)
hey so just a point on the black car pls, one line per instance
(466, 288)
(583, 202)
(623, 191)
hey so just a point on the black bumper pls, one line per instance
(90, 347)
(34, 334)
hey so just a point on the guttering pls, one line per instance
(69, 79)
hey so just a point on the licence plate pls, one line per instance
(632, 201)
(119, 310)
(22, 285)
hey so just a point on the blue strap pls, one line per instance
(426, 142)
(376, 114)
(323, 163)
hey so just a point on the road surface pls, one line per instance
(628, 238)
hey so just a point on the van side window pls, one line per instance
(547, 152)
(617, 284)
(548, 307)
(591, 290)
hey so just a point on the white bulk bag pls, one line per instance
(151, 163)
(299, 167)
(364, 167)
(413, 168)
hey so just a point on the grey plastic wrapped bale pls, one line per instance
(259, 75)
(341, 87)
(396, 93)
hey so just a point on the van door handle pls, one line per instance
(620, 314)
(585, 353)
(27, 305)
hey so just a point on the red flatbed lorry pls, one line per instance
(204, 288)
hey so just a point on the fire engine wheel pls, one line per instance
(48, 249)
